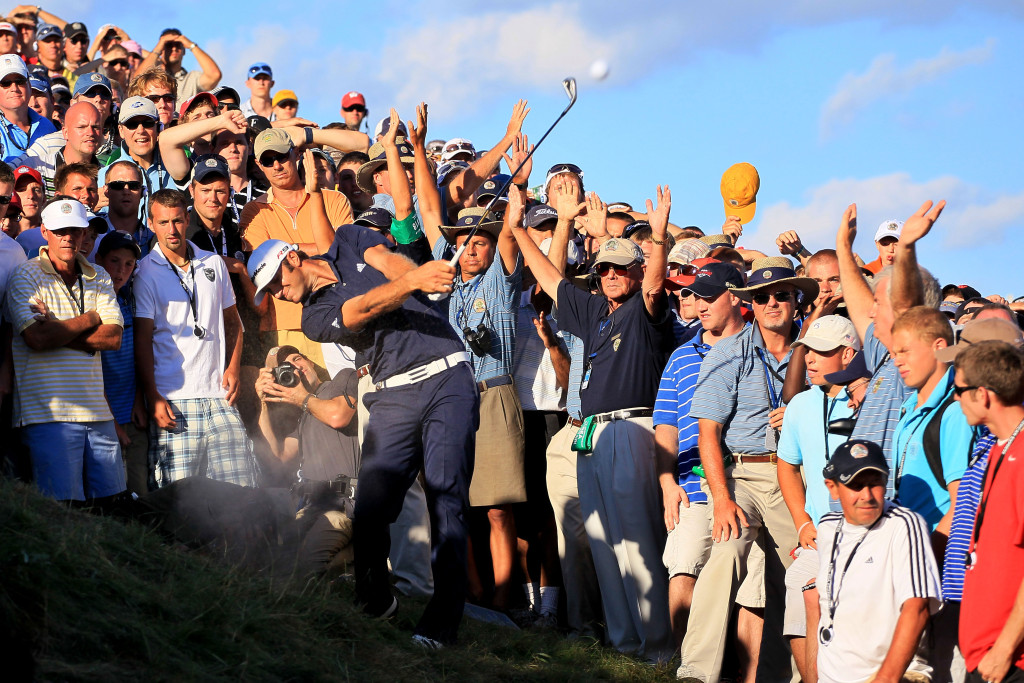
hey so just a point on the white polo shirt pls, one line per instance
(893, 564)
(185, 366)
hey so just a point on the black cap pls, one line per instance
(857, 369)
(853, 457)
(99, 225)
(375, 217)
(634, 227)
(206, 165)
(75, 28)
(173, 31)
(117, 240)
(714, 278)
(257, 124)
(539, 214)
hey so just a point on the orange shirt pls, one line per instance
(265, 218)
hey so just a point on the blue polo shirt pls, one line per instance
(14, 141)
(156, 177)
(119, 365)
(732, 390)
(492, 299)
(916, 487)
(968, 497)
(804, 441)
(672, 408)
(412, 335)
(626, 350)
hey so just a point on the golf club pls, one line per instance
(569, 85)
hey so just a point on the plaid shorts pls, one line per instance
(209, 440)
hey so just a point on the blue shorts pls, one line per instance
(75, 460)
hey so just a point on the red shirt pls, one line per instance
(994, 578)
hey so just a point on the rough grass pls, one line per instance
(84, 598)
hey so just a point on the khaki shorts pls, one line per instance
(499, 476)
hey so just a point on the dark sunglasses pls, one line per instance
(270, 158)
(959, 391)
(229, 106)
(464, 146)
(79, 40)
(566, 168)
(356, 107)
(118, 62)
(4, 201)
(120, 185)
(603, 268)
(783, 297)
(133, 124)
(68, 232)
(166, 97)
(687, 269)
(17, 80)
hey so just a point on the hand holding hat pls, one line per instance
(732, 228)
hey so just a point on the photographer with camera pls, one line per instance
(313, 424)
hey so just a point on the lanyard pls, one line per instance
(462, 314)
(80, 301)
(773, 398)
(193, 294)
(826, 417)
(234, 205)
(985, 495)
(12, 138)
(902, 462)
(833, 596)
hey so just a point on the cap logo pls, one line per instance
(766, 274)
(859, 450)
(136, 104)
(611, 246)
(892, 227)
(95, 78)
(65, 208)
(268, 137)
(843, 478)
(734, 202)
(211, 163)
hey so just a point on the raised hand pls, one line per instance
(309, 165)
(657, 215)
(918, 225)
(789, 243)
(847, 228)
(563, 192)
(388, 140)
(234, 121)
(418, 131)
(597, 216)
(515, 210)
(515, 124)
(521, 148)
(732, 228)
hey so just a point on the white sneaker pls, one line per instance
(427, 643)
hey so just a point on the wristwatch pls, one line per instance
(192, 46)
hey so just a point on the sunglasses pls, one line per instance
(603, 269)
(16, 217)
(356, 107)
(17, 80)
(120, 185)
(229, 106)
(114, 63)
(79, 40)
(676, 269)
(783, 297)
(565, 168)
(166, 97)
(959, 391)
(4, 201)
(133, 124)
(459, 146)
(271, 158)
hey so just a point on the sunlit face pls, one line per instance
(618, 283)
(41, 103)
(260, 85)
(887, 250)
(479, 253)
(289, 284)
(169, 223)
(715, 312)
(50, 49)
(75, 49)
(82, 130)
(161, 96)
(234, 148)
(347, 184)
(914, 357)
(63, 245)
(124, 197)
(211, 198)
(775, 315)
(7, 41)
(139, 134)
(863, 499)
(821, 363)
(825, 272)
(280, 169)
(83, 188)
(99, 97)
(285, 109)
(325, 175)
(32, 195)
(14, 92)
(304, 366)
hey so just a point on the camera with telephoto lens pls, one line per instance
(286, 375)
(480, 340)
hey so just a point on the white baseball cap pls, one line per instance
(889, 228)
(12, 64)
(828, 333)
(264, 263)
(572, 253)
(66, 213)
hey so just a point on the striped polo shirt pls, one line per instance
(732, 390)
(968, 497)
(119, 364)
(573, 402)
(61, 384)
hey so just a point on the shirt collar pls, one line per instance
(88, 272)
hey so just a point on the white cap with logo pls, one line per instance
(66, 213)
(264, 263)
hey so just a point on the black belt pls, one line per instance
(623, 414)
(499, 381)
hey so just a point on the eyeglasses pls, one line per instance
(120, 185)
(603, 268)
(166, 97)
(271, 158)
(959, 391)
(4, 201)
(17, 80)
(565, 168)
(79, 40)
(356, 107)
(133, 124)
(676, 269)
(783, 297)
(114, 63)
(459, 146)
(229, 106)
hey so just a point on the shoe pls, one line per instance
(382, 614)
(545, 622)
(523, 617)
(689, 674)
(427, 643)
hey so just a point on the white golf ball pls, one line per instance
(599, 70)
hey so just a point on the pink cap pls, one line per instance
(132, 47)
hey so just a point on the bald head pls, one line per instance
(82, 131)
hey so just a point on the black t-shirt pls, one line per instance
(405, 338)
(227, 243)
(626, 351)
(326, 452)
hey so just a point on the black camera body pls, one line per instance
(286, 375)
(480, 340)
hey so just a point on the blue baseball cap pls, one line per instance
(39, 85)
(540, 214)
(87, 82)
(260, 68)
(206, 165)
(49, 31)
(375, 217)
(489, 188)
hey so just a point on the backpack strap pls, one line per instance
(932, 438)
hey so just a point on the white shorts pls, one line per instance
(803, 570)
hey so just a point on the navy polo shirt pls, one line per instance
(395, 342)
(627, 350)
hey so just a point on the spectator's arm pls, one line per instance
(335, 412)
(173, 140)
(905, 640)
(159, 408)
(666, 447)
(323, 231)
(433, 276)
(103, 338)
(400, 191)
(278, 445)
(51, 333)
(728, 516)
(345, 140)
(856, 292)
(657, 264)
(907, 288)
(48, 17)
(462, 187)
(232, 352)
(547, 275)
(791, 485)
(151, 60)
(998, 661)
(210, 77)
(508, 248)
(426, 185)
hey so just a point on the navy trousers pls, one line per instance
(430, 425)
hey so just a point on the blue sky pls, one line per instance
(885, 104)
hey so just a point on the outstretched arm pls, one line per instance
(657, 264)
(400, 191)
(426, 185)
(907, 288)
(856, 292)
(463, 186)
(547, 275)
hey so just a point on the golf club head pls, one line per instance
(569, 84)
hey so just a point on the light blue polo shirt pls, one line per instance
(803, 441)
(917, 488)
(15, 142)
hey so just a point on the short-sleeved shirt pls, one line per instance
(188, 84)
(14, 142)
(226, 243)
(119, 364)
(266, 218)
(918, 489)
(533, 369)
(143, 236)
(803, 441)
(968, 495)
(416, 333)
(46, 155)
(626, 350)
(994, 578)
(732, 389)
(892, 565)
(11, 256)
(186, 366)
(61, 384)
(490, 299)
(327, 452)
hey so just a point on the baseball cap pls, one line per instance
(689, 274)
(634, 227)
(12, 64)
(619, 209)
(489, 188)
(26, 172)
(384, 125)
(352, 98)
(39, 85)
(572, 252)
(620, 252)
(854, 457)
(283, 96)
(686, 251)
(87, 82)
(194, 100)
(264, 263)
(260, 68)
(206, 165)
(273, 140)
(447, 171)
(49, 31)
(986, 329)
(830, 332)
(75, 28)
(375, 217)
(170, 31)
(457, 146)
(575, 170)
(889, 228)
(137, 106)
(65, 213)
(714, 278)
(538, 214)
(132, 46)
(6, 26)
(257, 124)
(949, 308)
(857, 369)
(225, 91)
(117, 240)
(740, 184)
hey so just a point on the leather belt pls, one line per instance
(499, 381)
(744, 458)
(575, 423)
(363, 371)
(623, 414)
(423, 372)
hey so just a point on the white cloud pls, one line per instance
(885, 78)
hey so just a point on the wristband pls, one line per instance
(658, 242)
(305, 403)
(809, 587)
(803, 251)
(407, 230)
(309, 135)
(523, 186)
(801, 529)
